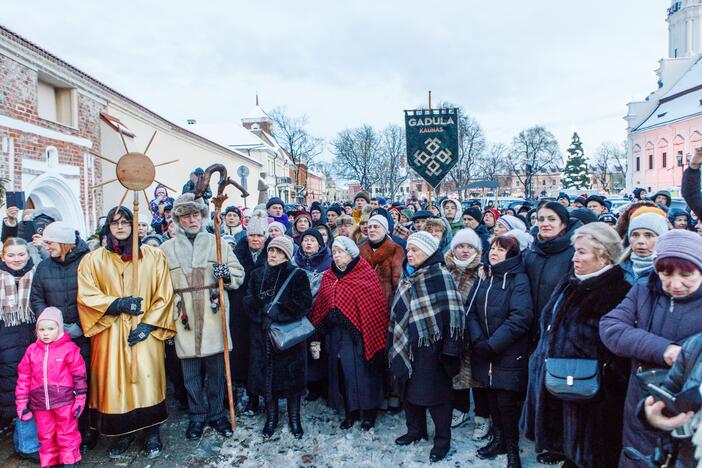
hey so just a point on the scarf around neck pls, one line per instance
(123, 248)
(15, 286)
(641, 265)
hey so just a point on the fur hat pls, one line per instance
(345, 219)
(258, 224)
(467, 236)
(60, 232)
(380, 220)
(346, 244)
(282, 243)
(424, 242)
(186, 204)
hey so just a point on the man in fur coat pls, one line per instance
(192, 261)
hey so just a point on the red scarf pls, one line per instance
(359, 296)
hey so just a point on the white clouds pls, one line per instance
(512, 64)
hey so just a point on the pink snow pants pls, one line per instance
(58, 435)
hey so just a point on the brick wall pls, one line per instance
(18, 100)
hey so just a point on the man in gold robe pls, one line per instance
(119, 407)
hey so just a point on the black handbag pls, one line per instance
(286, 335)
(572, 379)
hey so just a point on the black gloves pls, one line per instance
(482, 349)
(689, 400)
(140, 333)
(125, 305)
(221, 270)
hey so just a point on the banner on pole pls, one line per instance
(432, 142)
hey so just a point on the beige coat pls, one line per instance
(191, 265)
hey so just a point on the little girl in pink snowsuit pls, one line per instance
(52, 385)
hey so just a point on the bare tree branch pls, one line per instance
(393, 153)
(610, 160)
(534, 151)
(357, 153)
(290, 133)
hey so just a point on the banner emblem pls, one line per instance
(432, 142)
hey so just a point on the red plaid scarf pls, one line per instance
(359, 296)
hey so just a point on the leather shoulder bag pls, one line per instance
(286, 335)
(572, 379)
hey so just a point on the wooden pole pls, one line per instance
(218, 200)
(133, 377)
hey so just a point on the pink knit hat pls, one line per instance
(52, 313)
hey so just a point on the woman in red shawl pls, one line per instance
(351, 310)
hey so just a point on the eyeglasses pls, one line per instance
(120, 222)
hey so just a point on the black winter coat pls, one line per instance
(55, 284)
(691, 190)
(280, 374)
(546, 264)
(238, 318)
(500, 312)
(589, 432)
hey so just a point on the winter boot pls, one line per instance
(349, 420)
(252, 406)
(513, 460)
(120, 445)
(271, 418)
(481, 428)
(496, 446)
(294, 417)
(367, 419)
(152, 442)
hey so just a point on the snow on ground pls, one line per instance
(325, 445)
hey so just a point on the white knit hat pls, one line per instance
(424, 242)
(467, 236)
(380, 220)
(258, 224)
(512, 222)
(61, 232)
(276, 224)
(346, 244)
(650, 221)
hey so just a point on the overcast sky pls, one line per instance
(511, 64)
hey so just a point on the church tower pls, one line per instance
(684, 28)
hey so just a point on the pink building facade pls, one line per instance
(666, 127)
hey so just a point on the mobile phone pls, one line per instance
(661, 394)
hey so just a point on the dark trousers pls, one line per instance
(174, 372)
(416, 418)
(204, 382)
(505, 409)
(461, 401)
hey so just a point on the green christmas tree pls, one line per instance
(575, 174)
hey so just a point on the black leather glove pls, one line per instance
(482, 349)
(221, 270)
(125, 305)
(140, 333)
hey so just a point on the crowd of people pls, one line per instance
(555, 321)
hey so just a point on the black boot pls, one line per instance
(252, 406)
(120, 445)
(349, 420)
(367, 419)
(494, 448)
(271, 418)
(513, 460)
(152, 442)
(294, 417)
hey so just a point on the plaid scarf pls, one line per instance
(14, 295)
(427, 308)
(359, 297)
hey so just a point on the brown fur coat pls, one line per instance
(387, 262)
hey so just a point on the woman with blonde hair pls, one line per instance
(586, 432)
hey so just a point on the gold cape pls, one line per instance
(118, 406)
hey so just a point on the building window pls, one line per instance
(638, 163)
(664, 159)
(57, 102)
(650, 161)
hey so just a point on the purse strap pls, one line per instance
(282, 288)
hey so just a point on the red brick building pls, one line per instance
(49, 123)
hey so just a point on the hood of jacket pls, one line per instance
(459, 210)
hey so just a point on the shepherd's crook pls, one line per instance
(203, 181)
